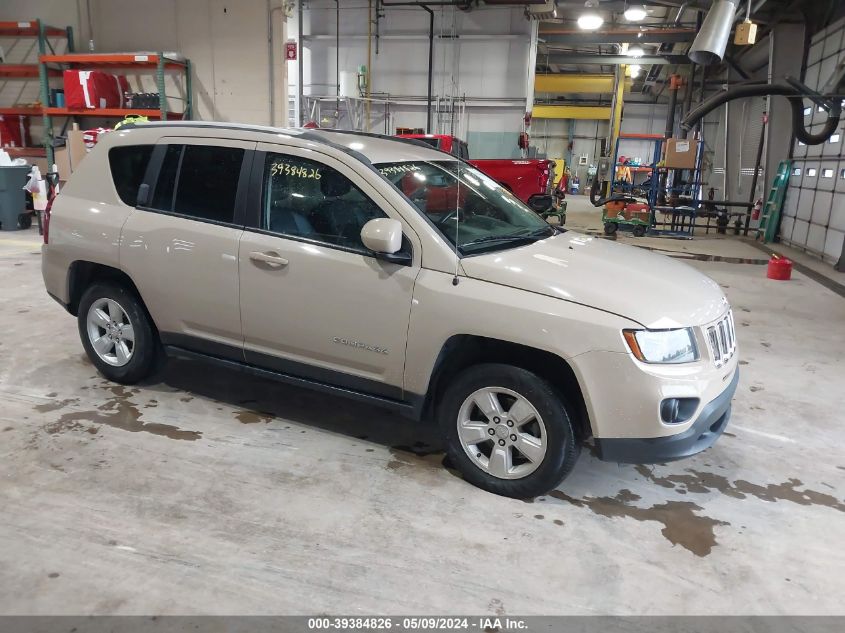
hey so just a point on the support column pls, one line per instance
(531, 66)
(783, 60)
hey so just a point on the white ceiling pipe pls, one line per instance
(712, 40)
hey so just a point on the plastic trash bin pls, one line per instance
(12, 195)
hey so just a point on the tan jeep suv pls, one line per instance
(387, 271)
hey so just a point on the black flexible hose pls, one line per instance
(757, 89)
(595, 190)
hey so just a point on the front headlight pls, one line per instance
(662, 346)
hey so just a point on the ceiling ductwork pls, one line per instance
(712, 40)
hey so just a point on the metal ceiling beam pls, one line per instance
(570, 112)
(612, 60)
(552, 36)
(574, 83)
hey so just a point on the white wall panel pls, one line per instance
(834, 243)
(821, 208)
(799, 232)
(815, 238)
(469, 61)
(837, 214)
(786, 227)
(805, 204)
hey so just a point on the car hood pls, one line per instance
(653, 290)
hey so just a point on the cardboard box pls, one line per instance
(746, 33)
(76, 146)
(681, 153)
(63, 166)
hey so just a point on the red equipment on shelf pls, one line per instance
(92, 89)
(14, 131)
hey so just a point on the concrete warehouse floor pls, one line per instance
(214, 492)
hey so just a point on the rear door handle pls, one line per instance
(274, 259)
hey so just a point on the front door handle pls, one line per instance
(274, 259)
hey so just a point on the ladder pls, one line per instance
(770, 217)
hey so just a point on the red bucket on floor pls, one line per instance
(780, 268)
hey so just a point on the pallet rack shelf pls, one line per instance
(158, 62)
(111, 112)
(23, 71)
(29, 72)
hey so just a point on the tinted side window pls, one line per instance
(166, 184)
(128, 165)
(208, 182)
(304, 198)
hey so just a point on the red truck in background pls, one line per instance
(529, 180)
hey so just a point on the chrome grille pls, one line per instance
(722, 339)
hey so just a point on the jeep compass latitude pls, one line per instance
(387, 271)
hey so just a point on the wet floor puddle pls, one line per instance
(681, 523)
(117, 412)
(699, 482)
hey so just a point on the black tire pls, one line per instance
(638, 230)
(24, 220)
(562, 448)
(610, 228)
(146, 348)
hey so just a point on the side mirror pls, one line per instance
(382, 235)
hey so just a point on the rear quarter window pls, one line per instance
(128, 164)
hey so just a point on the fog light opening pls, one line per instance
(677, 410)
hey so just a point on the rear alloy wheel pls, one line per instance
(116, 333)
(508, 431)
(110, 332)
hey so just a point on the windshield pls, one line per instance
(468, 208)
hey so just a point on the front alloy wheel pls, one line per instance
(502, 433)
(507, 430)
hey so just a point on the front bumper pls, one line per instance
(701, 435)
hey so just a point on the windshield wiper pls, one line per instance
(498, 238)
(527, 237)
(546, 231)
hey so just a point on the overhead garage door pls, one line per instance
(814, 211)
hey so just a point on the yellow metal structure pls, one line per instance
(571, 112)
(570, 83)
(618, 104)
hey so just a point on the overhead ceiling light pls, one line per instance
(635, 13)
(590, 21)
(635, 51)
(635, 70)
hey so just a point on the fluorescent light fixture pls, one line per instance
(635, 70)
(590, 21)
(635, 51)
(636, 13)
